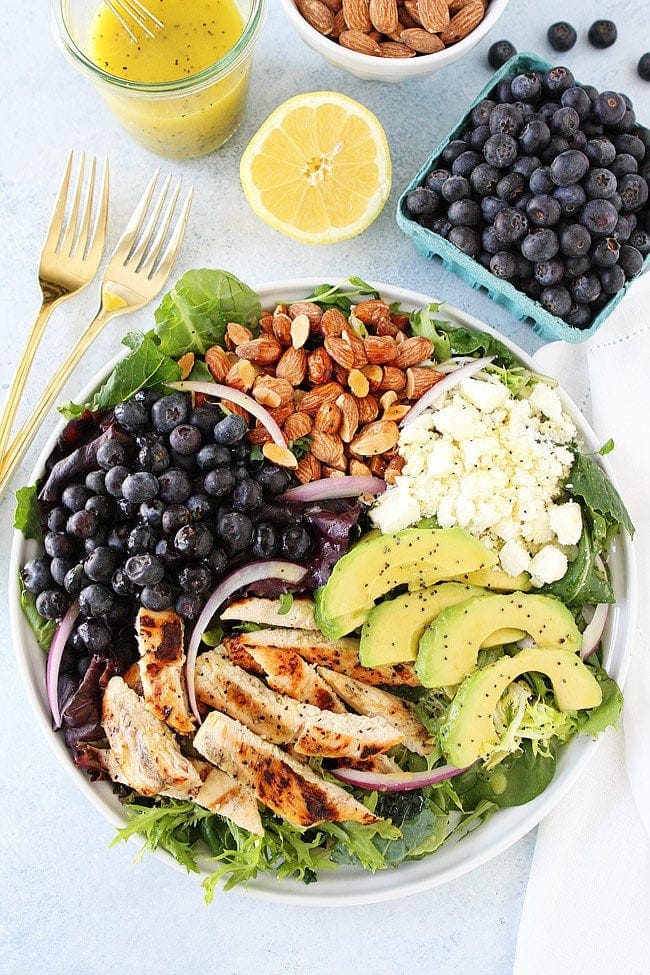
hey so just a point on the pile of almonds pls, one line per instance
(342, 383)
(394, 28)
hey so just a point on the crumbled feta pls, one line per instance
(495, 465)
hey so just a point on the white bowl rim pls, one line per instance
(335, 890)
(395, 68)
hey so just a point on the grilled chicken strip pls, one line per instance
(376, 703)
(265, 611)
(226, 687)
(144, 748)
(291, 790)
(287, 673)
(160, 642)
(339, 655)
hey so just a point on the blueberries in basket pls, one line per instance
(602, 33)
(499, 53)
(549, 272)
(540, 245)
(557, 80)
(434, 181)
(569, 167)
(526, 87)
(543, 210)
(456, 188)
(641, 240)
(500, 150)
(561, 36)
(575, 240)
(422, 201)
(169, 411)
(510, 225)
(464, 213)
(484, 179)
(612, 279)
(503, 264)
(599, 217)
(609, 108)
(556, 300)
(586, 288)
(631, 260)
(535, 136)
(466, 240)
(643, 67)
(633, 190)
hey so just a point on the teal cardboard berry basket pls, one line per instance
(433, 245)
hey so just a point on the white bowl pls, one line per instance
(351, 886)
(390, 69)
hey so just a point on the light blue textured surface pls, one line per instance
(68, 905)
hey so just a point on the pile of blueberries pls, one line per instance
(157, 526)
(547, 187)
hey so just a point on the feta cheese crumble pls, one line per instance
(495, 465)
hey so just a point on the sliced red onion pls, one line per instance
(334, 487)
(59, 640)
(396, 781)
(451, 380)
(451, 365)
(241, 399)
(254, 572)
(594, 630)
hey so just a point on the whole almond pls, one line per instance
(263, 350)
(360, 357)
(368, 408)
(308, 469)
(217, 362)
(328, 448)
(281, 456)
(463, 23)
(282, 329)
(393, 49)
(412, 351)
(456, 5)
(309, 308)
(334, 5)
(347, 405)
(383, 15)
(328, 418)
(357, 15)
(393, 378)
(359, 385)
(333, 322)
(319, 367)
(282, 413)
(331, 471)
(317, 14)
(422, 41)
(355, 40)
(372, 311)
(386, 327)
(314, 399)
(292, 366)
(340, 351)
(413, 11)
(434, 15)
(298, 425)
(375, 438)
(266, 324)
(241, 376)
(339, 25)
(259, 435)
(282, 387)
(419, 380)
(380, 349)
(300, 329)
(238, 333)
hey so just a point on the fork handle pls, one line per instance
(25, 435)
(25, 363)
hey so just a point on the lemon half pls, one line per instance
(318, 169)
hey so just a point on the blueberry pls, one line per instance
(543, 210)
(102, 506)
(535, 136)
(154, 457)
(600, 151)
(591, 92)
(157, 597)
(526, 87)
(565, 122)
(500, 150)
(100, 564)
(506, 120)
(579, 315)
(95, 541)
(199, 507)
(599, 217)
(111, 453)
(511, 187)
(151, 513)
(484, 179)
(193, 541)
(272, 479)
(464, 213)
(57, 519)
(624, 227)
(480, 114)
(166, 552)
(117, 538)
(296, 542)
(549, 272)
(606, 252)
(121, 584)
(578, 140)
(575, 240)
(115, 478)
(265, 541)
(641, 240)
(557, 80)
(631, 260)
(540, 180)
(436, 179)
(503, 91)
(484, 259)
(51, 604)
(185, 439)
(503, 265)
(490, 206)
(510, 225)
(634, 192)
(131, 415)
(643, 67)
(631, 145)
(142, 538)
(561, 36)
(143, 570)
(456, 188)
(175, 517)
(526, 165)
(95, 635)
(230, 430)
(212, 456)
(466, 162)
(247, 496)
(217, 561)
(95, 600)
(219, 482)
(139, 487)
(36, 574)
(453, 150)
(570, 198)
(540, 245)
(147, 397)
(556, 300)
(204, 417)
(127, 510)
(194, 579)
(609, 108)
(236, 530)
(569, 167)
(422, 201)
(602, 33)
(74, 497)
(612, 279)
(574, 267)
(491, 243)
(556, 146)
(189, 607)
(174, 486)
(466, 240)
(499, 53)
(169, 411)
(586, 288)
(624, 164)
(82, 524)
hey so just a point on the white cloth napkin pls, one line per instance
(587, 906)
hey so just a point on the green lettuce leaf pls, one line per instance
(200, 373)
(583, 583)
(193, 316)
(27, 517)
(171, 825)
(42, 629)
(608, 713)
(519, 778)
(341, 295)
(589, 482)
(146, 366)
(449, 339)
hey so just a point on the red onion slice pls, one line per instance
(254, 572)
(59, 640)
(594, 630)
(241, 399)
(394, 781)
(328, 488)
(444, 385)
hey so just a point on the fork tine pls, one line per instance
(140, 250)
(169, 256)
(133, 14)
(56, 223)
(98, 238)
(71, 229)
(132, 229)
(150, 258)
(145, 11)
(121, 19)
(82, 239)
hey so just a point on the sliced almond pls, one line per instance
(347, 405)
(266, 397)
(300, 329)
(358, 383)
(375, 438)
(281, 456)
(238, 333)
(186, 363)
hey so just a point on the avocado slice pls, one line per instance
(393, 629)
(497, 579)
(469, 726)
(419, 557)
(449, 648)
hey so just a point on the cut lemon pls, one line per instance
(318, 169)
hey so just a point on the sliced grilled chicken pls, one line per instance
(376, 703)
(380, 764)
(144, 748)
(288, 673)
(160, 642)
(226, 687)
(133, 679)
(265, 612)
(291, 790)
(339, 655)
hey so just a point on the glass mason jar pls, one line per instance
(180, 119)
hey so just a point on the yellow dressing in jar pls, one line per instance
(175, 95)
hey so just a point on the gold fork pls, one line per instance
(69, 262)
(135, 274)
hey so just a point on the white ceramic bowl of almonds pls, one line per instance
(389, 59)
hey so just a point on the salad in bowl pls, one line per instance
(322, 581)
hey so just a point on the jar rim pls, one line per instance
(192, 83)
